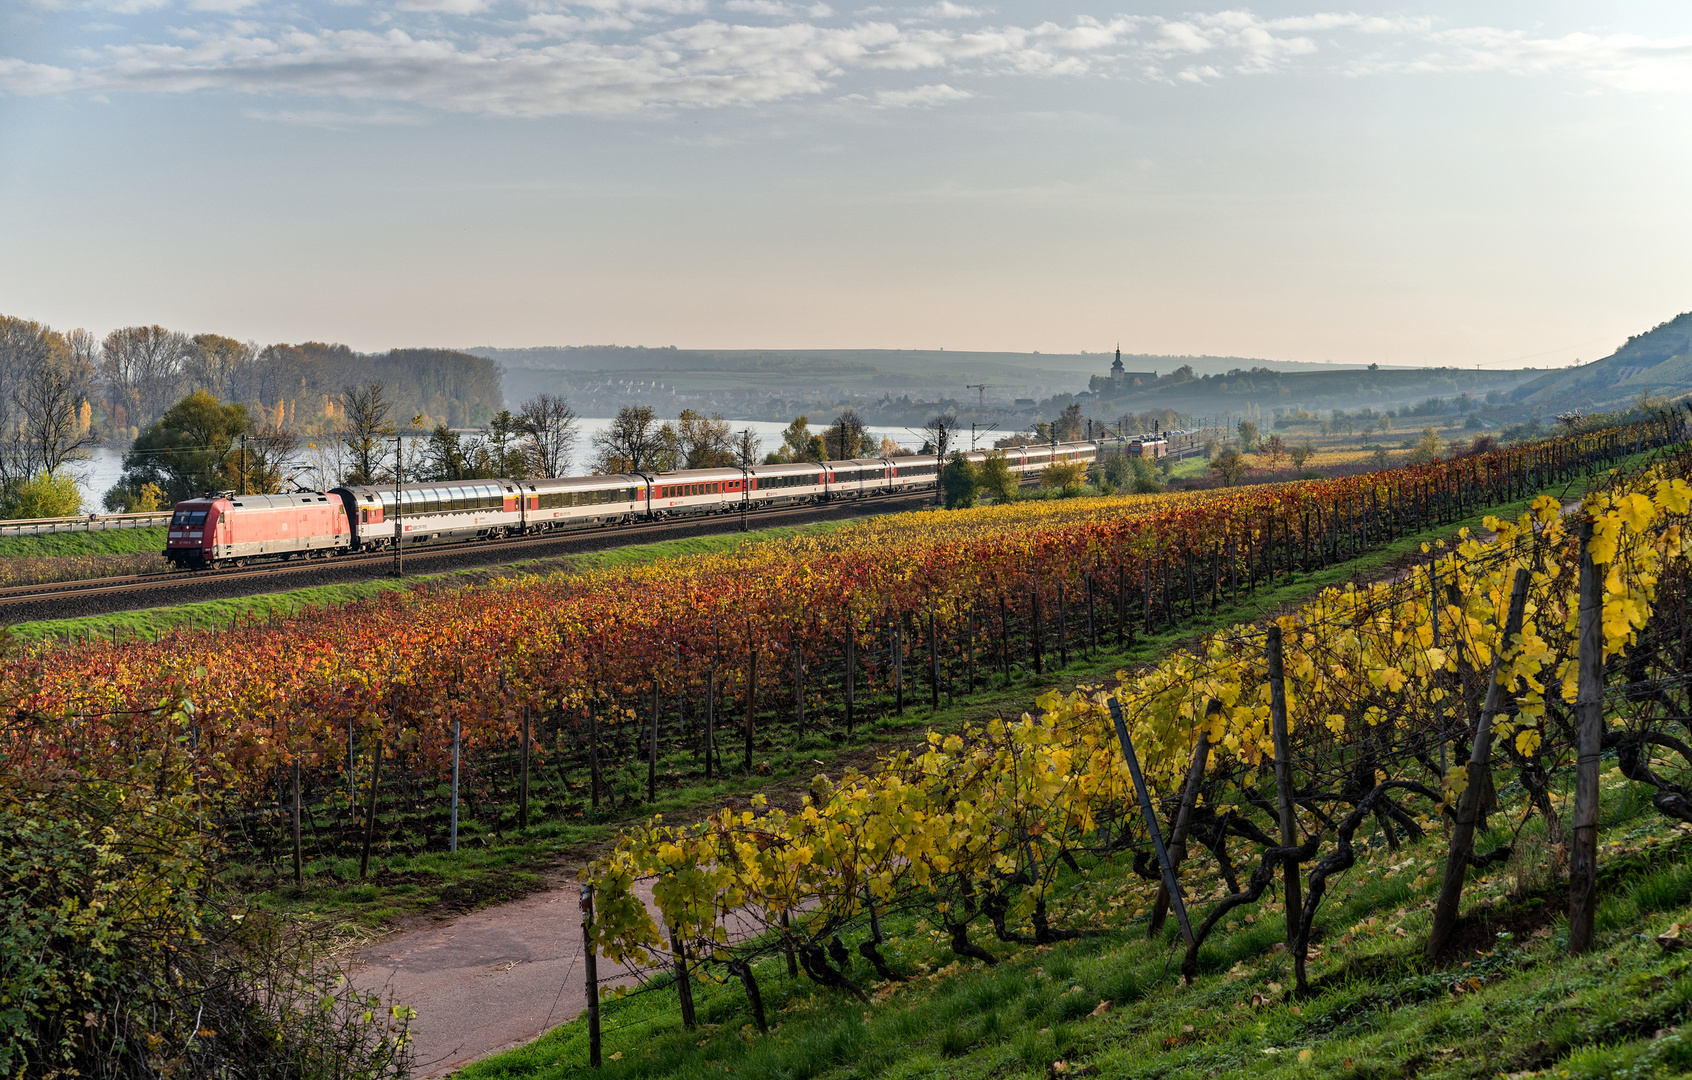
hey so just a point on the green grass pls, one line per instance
(1187, 468)
(99, 542)
(1517, 1007)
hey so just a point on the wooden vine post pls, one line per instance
(1589, 740)
(1480, 773)
(593, 753)
(590, 958)
(523, 778)
(299, 861)
(1170, 882)
(1284, 780)
(851, 673)
(1183, 821)
(370, 812)
(751, 706)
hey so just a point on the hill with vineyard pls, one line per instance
(1657, 362)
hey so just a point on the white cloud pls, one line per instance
(332, 119)
(777, 10)
(921, 96)
(445, 7)
(552, 57)
(1622, 61)
(945, 9)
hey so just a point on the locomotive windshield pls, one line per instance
(191, 518)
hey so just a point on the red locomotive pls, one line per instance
(234, 528)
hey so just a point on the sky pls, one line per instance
(1492, 183)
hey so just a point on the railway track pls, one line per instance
(105, 595)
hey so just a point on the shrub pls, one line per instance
(1229, 467)
(1067, 476)
(46, 494)
(142, 500)
(996, 479)
(119, 957)
(960, 483)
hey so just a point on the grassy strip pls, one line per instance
(1510, 1003)
(99, 542)
(150, 622)
(491, 867)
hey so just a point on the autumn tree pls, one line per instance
(1426, 448)
(1274, 448)
(214, 363)
(1068, 426)
(798, 443)
(847, 436)
(1248, 435)
(1229, 466)
(634, 442)
(190, 450)
(961, 484)
(996, 479)
(704, 442)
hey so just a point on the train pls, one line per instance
(228, 529)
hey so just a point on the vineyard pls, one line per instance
(1561, 638)
(397, 723)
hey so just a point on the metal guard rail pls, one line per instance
(87, 523)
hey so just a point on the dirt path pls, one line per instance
(489, 980)
(493, 979)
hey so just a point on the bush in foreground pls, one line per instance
(119, 957)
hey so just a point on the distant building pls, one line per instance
(1120, 379)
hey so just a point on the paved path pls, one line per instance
(489, 980)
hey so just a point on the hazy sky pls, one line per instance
(1462, 183)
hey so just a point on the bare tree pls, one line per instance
(704, 442)
(84, 348)
(746, 448)
(632, 443)
(365, 428)
(143, 364)
(270, 459)
(49, 403)
(550, 425)
(214, 363)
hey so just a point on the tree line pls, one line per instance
(63, 392)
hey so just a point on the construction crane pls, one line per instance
(982, 388)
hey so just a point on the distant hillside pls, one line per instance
(1658, 361)
(1429, 390)
(892, 367)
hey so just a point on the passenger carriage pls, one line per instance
(579, 501)
(697, 491)
(462, 510)
(796, 482)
